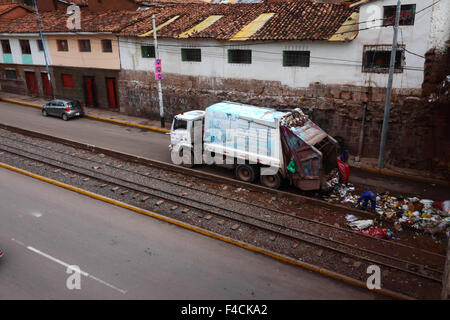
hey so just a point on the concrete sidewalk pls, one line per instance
(368, 165)
(93, 113)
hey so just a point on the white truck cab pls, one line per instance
(182, 130)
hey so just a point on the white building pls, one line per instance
(352, 58)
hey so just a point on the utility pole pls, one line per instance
(387, 105)
(43, 46)
(161, 106)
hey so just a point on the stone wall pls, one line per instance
(418, 134)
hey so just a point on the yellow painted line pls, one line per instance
(252, 27)
(205, 232)
(124, 123)
(348, 30)
(201, 26)
(130, 124)
(160, 26)
(23, 103)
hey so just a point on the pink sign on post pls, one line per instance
(158, 70)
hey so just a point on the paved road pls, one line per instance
(154, 145)
(44, 228)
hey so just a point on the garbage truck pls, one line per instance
(270, 145)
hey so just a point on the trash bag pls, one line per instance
(292, 167)
(360, 224)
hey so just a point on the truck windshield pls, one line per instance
(179, 124)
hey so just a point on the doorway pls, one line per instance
(90, 92)
(31, 82)
(111, 91)
(46, 84)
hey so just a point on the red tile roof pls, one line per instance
(8, 7)
(56, 21)
(297, 20)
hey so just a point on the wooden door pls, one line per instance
(31, 82)
(90, 91)
(46, 84)
(111, 90)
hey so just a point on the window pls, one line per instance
(25, 46)
(6, 47)
(11, 74)
(84, 45)
(179, 124)
(67, 81)
(40, 45)
(296, 58)
(239, 56)
(148, 51)
(377, 58)
(407, 15)
(191, 55)
(106, 46)
(62, 45)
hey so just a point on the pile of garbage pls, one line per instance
(426, 215)
(296, 119)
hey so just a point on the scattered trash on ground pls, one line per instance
(429, 216)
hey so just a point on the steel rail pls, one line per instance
(271, 229)
(279, 212)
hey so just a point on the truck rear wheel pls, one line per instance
(271, 181)
(245, 172)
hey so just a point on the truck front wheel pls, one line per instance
(271, 181)
(245, 172)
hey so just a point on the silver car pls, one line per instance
(64, 109)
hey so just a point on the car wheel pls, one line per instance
(271, 181)
(44, 113)
(245, 172)
(65, 117)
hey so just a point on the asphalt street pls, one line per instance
(154, 145)
(125, 255)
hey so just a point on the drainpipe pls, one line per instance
(361, 134)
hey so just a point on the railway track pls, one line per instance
(297, 234)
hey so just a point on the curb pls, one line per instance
(207, 233)
(399, 175)
(119, 122)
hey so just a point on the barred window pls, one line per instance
(377, 58)
(148, 51)
(191, 54)
(239, 56)
(11, 74)
(407, 15)
(296, 58)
